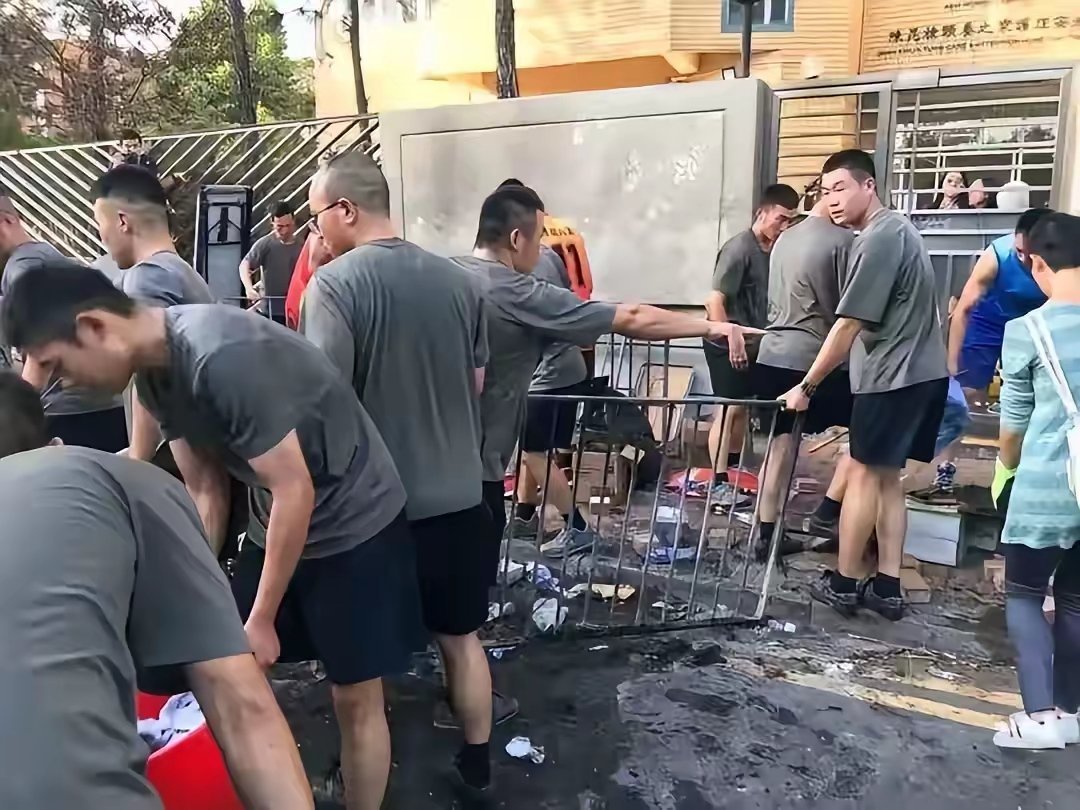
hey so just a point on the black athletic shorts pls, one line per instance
(549, 424)
(457, 560)
(358, 612)
(727, 381)
(890, 427)
(830, 406)
(101, 430)
(495, 501)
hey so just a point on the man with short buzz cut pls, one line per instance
(887, 319)
(327, 570)
(76, 416)
(131, 211)
(274, 257)
(740, 294)
(107, 583)
(526, 315)
(407, 330)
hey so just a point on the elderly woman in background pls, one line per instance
(953, 194)
(1041, 370)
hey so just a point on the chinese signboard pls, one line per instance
(926, 33)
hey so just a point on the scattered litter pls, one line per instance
(495, 610)
(844, 666)
(606, 592)
(934, 672)
(663, 555)
(547, 615)
(675, 611)
(598, 647)
(514, 571)
(498, 652)
(545, 581)
(179, 716)
(577, 590)
(522, 748)
(787, 627)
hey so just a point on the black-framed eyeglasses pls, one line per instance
(314, 224)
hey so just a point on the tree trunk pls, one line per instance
(354, 50)
(95, 123)
(242, 84)
(506, 44)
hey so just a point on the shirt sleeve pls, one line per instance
(247, 399)
(257, 254)
(842, 262)
(558, 314)
(324, 322)
(1017, 385)
(729, 271)
(182, 610)
(873, 267)
(152, 285)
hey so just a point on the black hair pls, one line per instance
(856, 161)
(130, 182)
(505, 210)
(42, 306)
(1056, 239)
(21, 414)
(779, 194)
(130, 135)
(511, 182)
(280, 209)
(962, 200)
(1030, 218)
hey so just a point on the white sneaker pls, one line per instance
(1070, 728)
(1024, 731)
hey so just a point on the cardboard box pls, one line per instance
(590, 481)
(933, 534)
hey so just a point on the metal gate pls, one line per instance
(50, 186)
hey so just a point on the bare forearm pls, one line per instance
(145, 432)
(245, 276)
(652, 323)
(1009, 448)
(958, 322)
(290, 517)
(248, 726)
(835, 350)
(212, 502)
(715, 310)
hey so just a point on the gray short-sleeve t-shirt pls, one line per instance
(57, 399)
(276, 260)
(238, 383)
(407, 330)
(524, 316)
(890, 288)
(107, 582)
(563, 363)
(741, 273)
(808, 268)
(165, 280)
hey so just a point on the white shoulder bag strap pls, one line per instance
(1048, 356)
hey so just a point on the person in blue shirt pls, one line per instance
(1000, 289)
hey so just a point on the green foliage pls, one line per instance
(195, 88)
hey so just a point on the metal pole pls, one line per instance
(747, 34)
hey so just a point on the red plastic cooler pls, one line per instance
(189, 774)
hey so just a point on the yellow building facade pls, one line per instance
(448, 55)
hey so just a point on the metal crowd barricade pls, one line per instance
(689, 560)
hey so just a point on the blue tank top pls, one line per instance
(1013, 295)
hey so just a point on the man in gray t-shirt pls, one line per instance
(235, 392)
(808, 268)
(888, 320)
(76, 415)
(107, 584)
(407, 331)
(131, 211)
(274, 257)
(524, 317)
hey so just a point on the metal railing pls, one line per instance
(663, 555)
(51, 186)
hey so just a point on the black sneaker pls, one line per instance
(788, 546)
(891, 607)
(471, 796)
(822, 591)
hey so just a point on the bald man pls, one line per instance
(407, 330)
(75, 415)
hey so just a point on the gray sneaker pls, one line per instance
(569, 542)
(522, 529)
